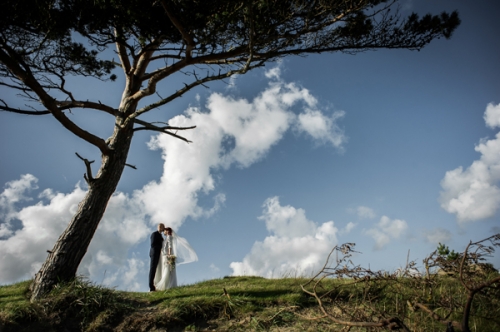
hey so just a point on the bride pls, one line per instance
(175, 251)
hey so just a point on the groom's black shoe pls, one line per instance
(153, 290)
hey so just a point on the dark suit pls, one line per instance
(154, 255)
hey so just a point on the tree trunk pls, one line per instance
(63, 261)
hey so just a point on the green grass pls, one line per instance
(13, 295)
(14, 305)
(238, 304)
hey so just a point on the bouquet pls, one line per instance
(171, 261)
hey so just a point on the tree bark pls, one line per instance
(62, 263)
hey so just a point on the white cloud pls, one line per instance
(229, 132)
(286, 221)
(255, 127)
(275, 72)
(385, 230)
(24, 252)
(214, 268)
(438, 235)
(296, 246)
(130, 275)
(348, 228)
(365, 212)
(14, 193)
(473, 194)
(122, 226)
(492, 115)
(395, 228)
(232, 82)
(322, 128)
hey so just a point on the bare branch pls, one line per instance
(164, 129)
(437, 317)
(122, 53)
(461, 268)
(338, 270)
(15, 87)
(88, 104)
(6, 108)
(471, 288)
(63, 105)
(88, 176)
(219, 58)
(13, 61)
(194, 84)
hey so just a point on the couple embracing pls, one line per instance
(165, 255)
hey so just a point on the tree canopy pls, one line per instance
(155, 39)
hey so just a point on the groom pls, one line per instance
(154, 254)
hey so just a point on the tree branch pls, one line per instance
(88, 104)
(194, 84)
(251, 40)
(87, 176)
(347, 250)
(190, 44)
(473, 290)
(11, 86)
(122, 53)
(221, 58)
(63, 105)
(164, 129)
(6, 108)
(437, 317)
(13, 61)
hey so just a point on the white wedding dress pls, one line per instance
(166, 274)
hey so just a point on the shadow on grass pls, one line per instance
(263, 294)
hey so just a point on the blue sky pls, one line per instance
(394, 150)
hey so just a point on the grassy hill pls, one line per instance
(245, 303)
